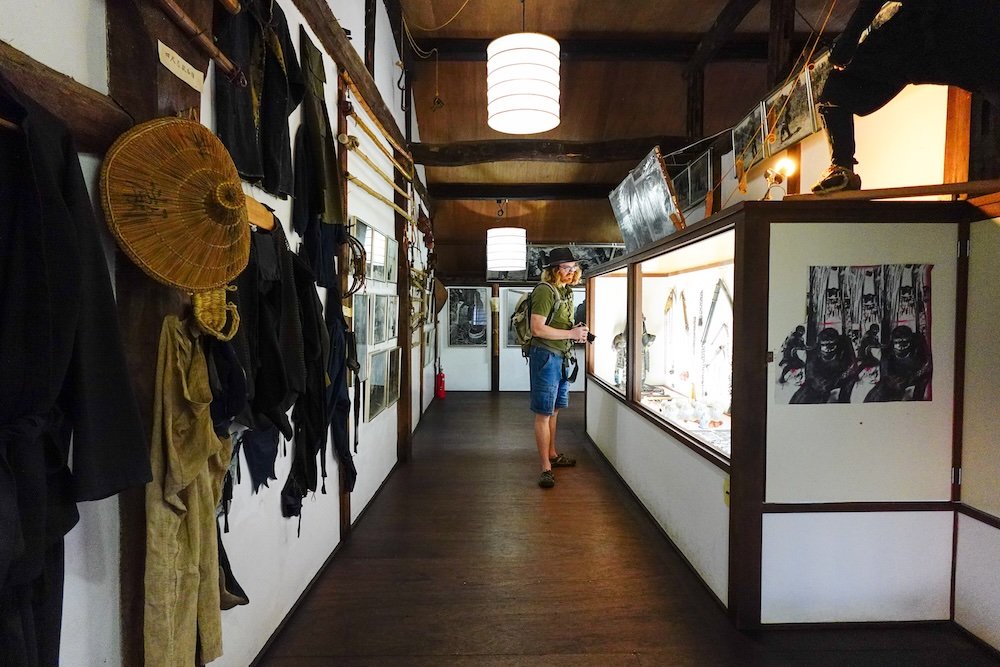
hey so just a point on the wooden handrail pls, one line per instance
(969, 188)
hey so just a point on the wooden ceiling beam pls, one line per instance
(523, 191)
(463, 153)
(672, 48)
(721, 33)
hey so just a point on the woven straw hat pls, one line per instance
(174, 203)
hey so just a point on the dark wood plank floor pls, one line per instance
(461, 560)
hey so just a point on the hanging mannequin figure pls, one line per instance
(888, 45)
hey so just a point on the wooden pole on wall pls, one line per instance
(343, 265)
(404, 411)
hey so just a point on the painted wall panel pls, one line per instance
(854, 567)
(860, 451)
(682, 491)
(977, 580)
(980, 451)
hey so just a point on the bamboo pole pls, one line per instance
(408, 175)
(377, 195)
(352, 144)
(202, 39)
(231, 6)
(364, 104)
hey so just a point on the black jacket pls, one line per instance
(62, 371)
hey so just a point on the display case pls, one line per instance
(686, 370)
(610, 315)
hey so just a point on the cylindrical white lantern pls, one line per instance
(522, 83)
(506, 249)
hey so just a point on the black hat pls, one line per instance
(558, 256)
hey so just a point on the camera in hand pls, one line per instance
(590, 337)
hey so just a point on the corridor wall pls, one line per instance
(272, 562)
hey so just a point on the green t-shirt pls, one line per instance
(542, 299)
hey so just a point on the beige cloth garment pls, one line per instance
(182, 617)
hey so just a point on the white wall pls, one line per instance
(682, 490)
(853, 567)
(897, 451)
(977, 580)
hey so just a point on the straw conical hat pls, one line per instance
(174, 203)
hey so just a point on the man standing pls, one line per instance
(552, 336)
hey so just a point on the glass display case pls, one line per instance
(686, 368)
(608, 326)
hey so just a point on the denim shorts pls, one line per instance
(549, 387)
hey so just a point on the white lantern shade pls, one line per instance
(506, 249)
(522, 83)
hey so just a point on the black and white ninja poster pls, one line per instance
(866, 338)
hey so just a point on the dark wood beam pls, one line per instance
(524, 191)
(94, 120)
(695, 118)
(720, 33)
(670, 48)
(370, 7)
(463, 153)
(779, 41)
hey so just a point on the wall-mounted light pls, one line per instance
(522, 82)
(777, 175)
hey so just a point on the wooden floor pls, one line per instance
(462, 560)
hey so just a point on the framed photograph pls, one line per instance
(700, 178)
(392, 317)
(379, 316)
(748, 139)
(789, 116)
(391, 260)
(359, 308)
(392, 386)
(377, 378)
(377, 257)
(468, 309)
(510, 302)
(590, 256)
(363, 233)
(819, 70)
(507, 276)
(681, 187)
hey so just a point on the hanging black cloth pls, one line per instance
(227, 382)
(309, 412)
(260, 449)
(338, 400)
(269, 341)
(318, 206)
(63, 377)
(252, 121)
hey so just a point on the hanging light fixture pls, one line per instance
(506, 249)
(522, 82)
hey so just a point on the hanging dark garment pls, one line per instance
(252, 121)
(309, 413)
(269, 341)
(338, 400)
(63, 377)
(227, 382)
(318, 206)
(260, 449)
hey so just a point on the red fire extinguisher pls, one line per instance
(439, 382)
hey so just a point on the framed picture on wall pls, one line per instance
(361, 325)
(377, 378)
(468, 309)
(363, 233)
(379, 315)
(590, 256)
(377, 258)
(391, 260)
(682, 188)
(819, 70)
(392, 386)
(429, 342)
(392, 317)
(748, 139)
(788, 115)
(700, 178)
